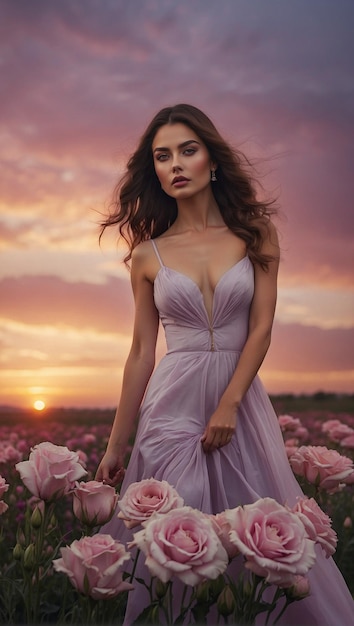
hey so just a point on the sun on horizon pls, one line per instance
(39, 405)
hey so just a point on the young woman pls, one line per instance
(204, 259)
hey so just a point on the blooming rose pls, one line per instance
(272, 539)
(291, 445)
(287, 422)
(3, 486)
(93, 565)
(329, 424)
(222, 528)
(51, 470)
(94, 502)
(181, 543)
(317, 524)
(347, 442)
(322, 466)
(339, 432)
(146, 497)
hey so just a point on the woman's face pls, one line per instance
(182, 162)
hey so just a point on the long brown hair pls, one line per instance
(143, 210)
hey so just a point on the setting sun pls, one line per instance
(39, 405)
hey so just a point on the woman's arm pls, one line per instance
(222, 423)
(138, 369)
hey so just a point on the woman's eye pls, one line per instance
(162, 157)
(189, 151)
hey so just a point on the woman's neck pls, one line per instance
(197, 213)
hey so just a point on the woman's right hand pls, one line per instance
(111, 469)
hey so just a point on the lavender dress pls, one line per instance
(183, 393)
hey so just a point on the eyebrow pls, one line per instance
(181, 145)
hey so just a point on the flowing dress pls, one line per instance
(182, 394)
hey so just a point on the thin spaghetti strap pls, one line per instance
(157, 252)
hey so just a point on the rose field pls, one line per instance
(56, 569)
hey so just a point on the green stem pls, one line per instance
(134, 565)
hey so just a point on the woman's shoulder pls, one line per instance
(144, 259)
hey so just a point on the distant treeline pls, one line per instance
(283, 403)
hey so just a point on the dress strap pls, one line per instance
(157, 252)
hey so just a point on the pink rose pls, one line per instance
(299, 589)
(146, 497)
(339, 432)
(93, 565)
(94, 502)
(51, 471)
(322, 467)
(272, 539)
(317, 524)
(181, 543)
(301, 432)
(3, 486)
(3, 507)
(347, 442)
(287, 422)
(222, 528)
(291, 445)
(329, 424)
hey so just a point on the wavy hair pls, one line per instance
(142, 210)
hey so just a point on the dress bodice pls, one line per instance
(184, 316)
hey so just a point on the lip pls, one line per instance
(180, 181)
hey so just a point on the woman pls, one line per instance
(204, 259)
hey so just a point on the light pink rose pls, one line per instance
(94, 502)
(301, 432)
(299, 589)
(272, 539)
(347, 442)
(317, 524)
(3, 507)
(181, 543)
(329, 424)
(51, 471)
(222, 528)
(93, 565)
(287, 422)
(146, 497)
(291, 445)
(339, 432)
(322, 467)
(3, 486)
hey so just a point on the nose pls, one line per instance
(176, 167)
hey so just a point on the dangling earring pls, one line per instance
(213, 176)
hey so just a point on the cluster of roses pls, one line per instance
(276, 542)
(177, 541)
(323, 467)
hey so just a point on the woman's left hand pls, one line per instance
(220, 428)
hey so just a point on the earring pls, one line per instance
(213, 176)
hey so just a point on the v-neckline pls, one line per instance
(210, 318)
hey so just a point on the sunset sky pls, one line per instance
(80, 80)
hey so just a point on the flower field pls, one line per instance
(51, 507)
